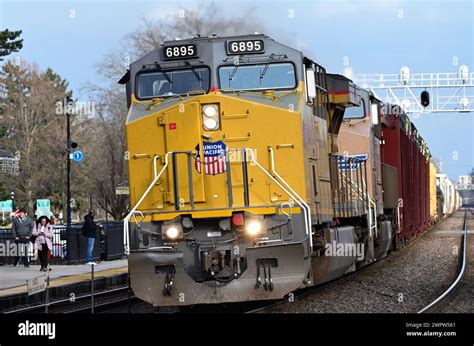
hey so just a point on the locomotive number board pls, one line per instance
(185, 51)
(245, 47)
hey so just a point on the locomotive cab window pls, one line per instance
(357, 112)
(172, 82)
(258, 77)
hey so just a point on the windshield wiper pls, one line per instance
(167, 76)
(160, 69)
(234, 71)
(271, 58)
(193, 69)
(262, 73)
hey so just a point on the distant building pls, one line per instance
(466, 189)
(9, 164)
(465, 181)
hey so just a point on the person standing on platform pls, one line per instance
(22, 230)
(43, 243)
(89, 230)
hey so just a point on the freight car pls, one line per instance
(435, 195)
(451, 198)
(404, 149)
(245, 179)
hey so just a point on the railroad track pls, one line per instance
(302, 293)
(447, 295)
(102, 301)
(432, 307)
(118, 297)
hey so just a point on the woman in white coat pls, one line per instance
(43, 243)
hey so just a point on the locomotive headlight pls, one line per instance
(210, 124)
(254, 227)
(210, 111)
(210, 117)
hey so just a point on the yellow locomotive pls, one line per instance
(237, 189)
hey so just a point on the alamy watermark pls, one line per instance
(13, 249)
(345, 249)
(76, 108)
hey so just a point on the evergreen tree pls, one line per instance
(9, 42)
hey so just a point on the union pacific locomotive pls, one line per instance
(254, 173)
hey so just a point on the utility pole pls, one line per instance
(12, 197)
(68, 164)
(106, 217)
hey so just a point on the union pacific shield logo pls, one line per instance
(214, 158)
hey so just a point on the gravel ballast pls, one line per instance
(403, 282)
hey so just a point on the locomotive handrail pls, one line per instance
(349, 190)
(293, 195)
(370, 217)
(372, 220)
(134, 209)
(286, 188)
(301, 202)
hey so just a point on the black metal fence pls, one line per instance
(70, 247)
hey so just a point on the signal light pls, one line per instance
(425, 99)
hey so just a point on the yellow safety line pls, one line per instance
(66, 280)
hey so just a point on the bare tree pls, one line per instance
(104, 141)
(33, 130)
(204, 20)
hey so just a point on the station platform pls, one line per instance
(13, 279)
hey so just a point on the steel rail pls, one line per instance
(61, 301)
(434, 305)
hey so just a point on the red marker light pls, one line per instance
(213, 89)
(238, 219)
(425, 99)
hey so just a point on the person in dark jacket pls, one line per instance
(22, 229)
(89, 231)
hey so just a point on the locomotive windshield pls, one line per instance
(258, 77)
(172, 82)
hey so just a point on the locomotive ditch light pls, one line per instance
(172, 232)
(210, 117)
(253, 227)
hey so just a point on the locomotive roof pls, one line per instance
(210, 51)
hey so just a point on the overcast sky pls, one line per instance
(371, 36)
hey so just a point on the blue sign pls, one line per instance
(6, 206)
(43, 207)
(77, 156)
